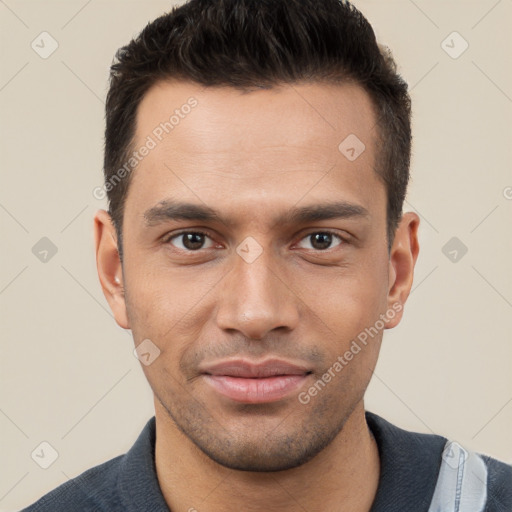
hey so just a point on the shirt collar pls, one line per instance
(138, 483)
(409, 467)
(409, 464)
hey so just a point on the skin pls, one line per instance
(253, 157)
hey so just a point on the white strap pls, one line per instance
(462, 482)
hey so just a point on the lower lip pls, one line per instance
(256, 391)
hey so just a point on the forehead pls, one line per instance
(223, 118)
(264, 147)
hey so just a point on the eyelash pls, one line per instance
(167, 239)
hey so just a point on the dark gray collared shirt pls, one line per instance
(410, 465)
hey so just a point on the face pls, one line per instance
(255, 255)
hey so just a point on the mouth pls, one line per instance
(251, 383)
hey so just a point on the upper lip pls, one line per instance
(246, 369)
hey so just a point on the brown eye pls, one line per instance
(321, 240)
(190, 240)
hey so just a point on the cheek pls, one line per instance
(161, 300)
(347, 301)
(170, 308)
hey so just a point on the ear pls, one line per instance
(109, 266)
(402, 259)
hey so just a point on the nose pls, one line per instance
(256, 298)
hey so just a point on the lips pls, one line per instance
(246, 382)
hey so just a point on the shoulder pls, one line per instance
(423, 471)
(127, 483)
(91, 491)
(499, 485)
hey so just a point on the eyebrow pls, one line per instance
(170, 210)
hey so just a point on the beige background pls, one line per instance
(68, 374)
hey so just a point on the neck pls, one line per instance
(343, 477)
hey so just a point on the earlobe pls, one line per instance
(402, 261)
(109, 266)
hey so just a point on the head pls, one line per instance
(265, 148)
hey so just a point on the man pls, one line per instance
(256, 163)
